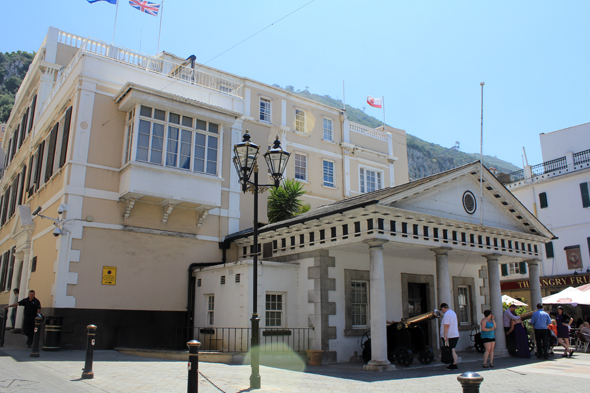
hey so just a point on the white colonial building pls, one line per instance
(557, 193)
(350, 266)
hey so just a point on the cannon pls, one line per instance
(404, 339)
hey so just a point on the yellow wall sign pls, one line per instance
(109, 275)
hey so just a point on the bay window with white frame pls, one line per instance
(300, 166)
(370, 179)
(274, 309)
(264, 110)
(360, 304)
(328, 130)
(172, 140)
(328, 172)
(299, 120)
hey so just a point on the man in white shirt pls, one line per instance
(449, 332)
(509, 316)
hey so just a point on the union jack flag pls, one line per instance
(145, 6)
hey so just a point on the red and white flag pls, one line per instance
(375, 102)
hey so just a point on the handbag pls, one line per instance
(446, 355)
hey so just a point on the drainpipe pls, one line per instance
(190, 308)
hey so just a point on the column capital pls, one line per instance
(375, 242)
(492, 257)
(441, 250)
(533, 262)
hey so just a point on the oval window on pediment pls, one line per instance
(469, 202)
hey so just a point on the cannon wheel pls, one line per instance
(366, 346)
(426, 355)
(531, 345)
(473, 333)
(404, 357)
(479, 347)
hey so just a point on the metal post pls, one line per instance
(470, 381)
(3, 327)
(254, 353)
(35, 351)
(193, 366)
(87, 372)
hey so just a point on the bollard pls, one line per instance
(35, 351)
(87, 370)
(3, 327)
(193, 366)
(470, 381)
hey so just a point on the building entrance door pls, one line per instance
(417, 304)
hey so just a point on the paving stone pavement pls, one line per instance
(114, 372)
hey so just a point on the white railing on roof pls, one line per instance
(361, 129)
(181, 72)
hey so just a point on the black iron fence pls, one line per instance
(213, 339)
(507, 178)
(582, 157)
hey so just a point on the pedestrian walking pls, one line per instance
(449, 332)
(32, 308)
(563, 331)
(488, 337)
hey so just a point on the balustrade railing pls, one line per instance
(182, 72)
(549, 166)
(582, 157)
(367, 131)
(213, 339)
(507, 178)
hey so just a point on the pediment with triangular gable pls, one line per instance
(443, 197)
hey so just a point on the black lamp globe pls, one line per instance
(245, 154)
(276, 159)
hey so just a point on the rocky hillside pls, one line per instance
(424, 158)
(13, 68)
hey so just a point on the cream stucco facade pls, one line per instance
(139, 149)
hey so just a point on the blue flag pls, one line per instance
(108, 1)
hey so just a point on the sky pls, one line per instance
(427, 58)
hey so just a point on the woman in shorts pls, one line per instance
(488, 325)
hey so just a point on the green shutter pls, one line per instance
(522, 267)
(504, 270)
(543, 200)
(585, 194)
(549, 249)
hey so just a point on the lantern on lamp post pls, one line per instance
(245, 161)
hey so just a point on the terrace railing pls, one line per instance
(582, 157)
(549, 166)
(180, 71)
(507, 178)
(213, 339)
(361, 129)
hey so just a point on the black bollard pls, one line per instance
(3, 327)
(193, 366)
(35, 351)
(470, 381)
(87, 371)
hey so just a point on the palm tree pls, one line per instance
(284, 202)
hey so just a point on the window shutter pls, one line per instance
(66, 137)
(51, 152)
(23, 128)
(504, 270)
(585, 194)
(32, 115)
(549, 249)
(543, 200)
(522, 267)
(39, 164)
(19, 198)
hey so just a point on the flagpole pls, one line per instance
(481, 161)
(343, 97)
(383, 105)
(160, 32)
(115, 27)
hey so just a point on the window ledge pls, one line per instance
(301, 134)
(303, 181)
(329, 141)
(355, 332)
(329, 187)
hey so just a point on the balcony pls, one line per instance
(572, 162)
(170, 188)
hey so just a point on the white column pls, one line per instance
(23, 289)
(12, 298)
(443, 279)
(535, 283)
(378, 360)
(496, 303)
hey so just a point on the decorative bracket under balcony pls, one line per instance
(129, 203)
(167, 207)
(201, 214)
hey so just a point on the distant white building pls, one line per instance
(557, 193)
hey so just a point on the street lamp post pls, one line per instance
(245, 156)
